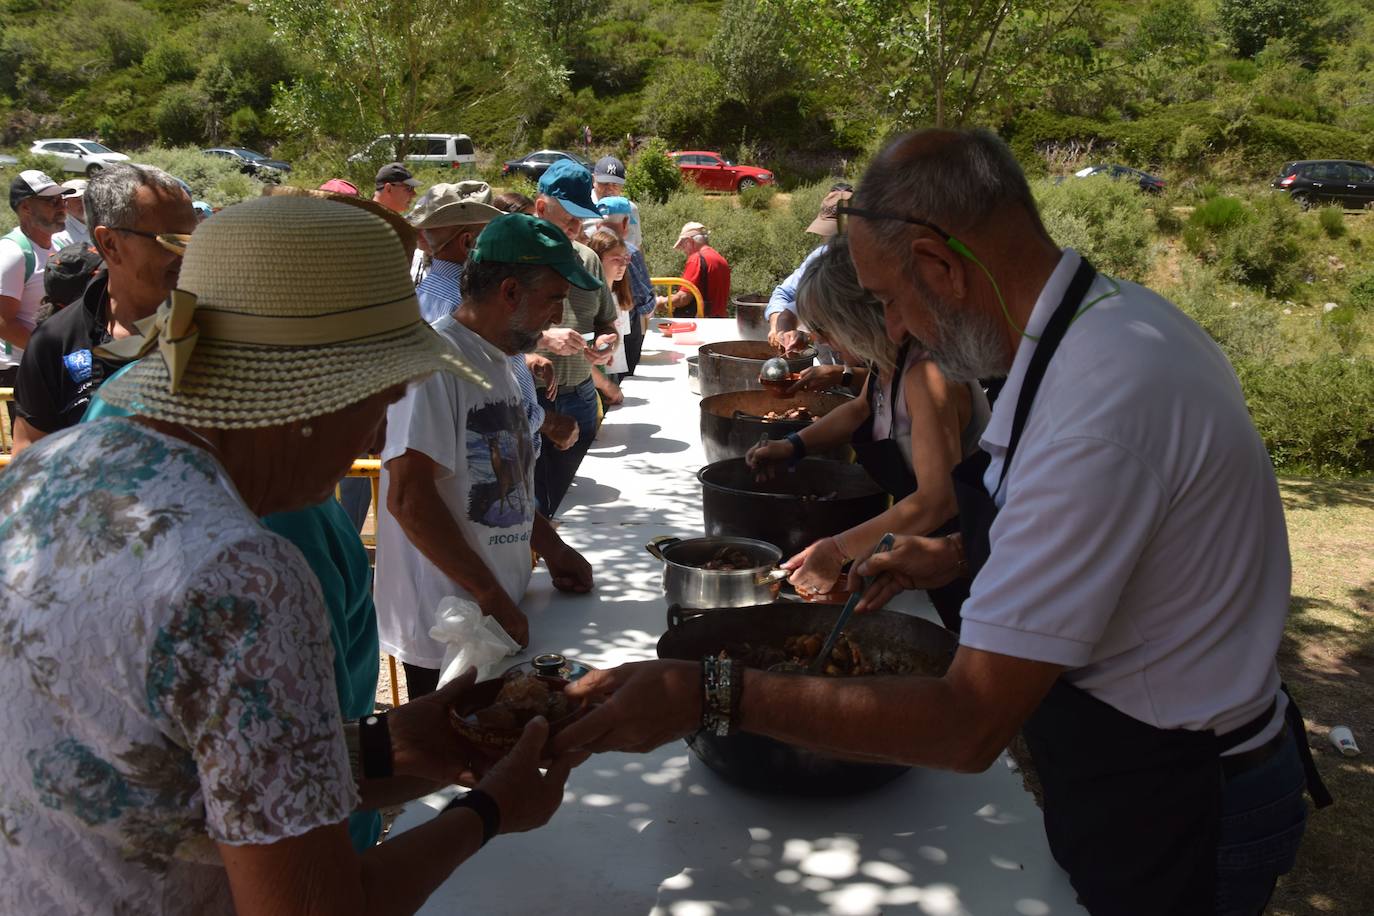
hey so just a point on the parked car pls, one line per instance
(1328, 181)
(534, 165)
(84, 156)
(452, 151)
(1150, 184)
(714, 172)
(7, 161)
(250, 162)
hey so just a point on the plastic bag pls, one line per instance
(470, 640)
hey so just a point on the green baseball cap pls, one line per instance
(517, 238)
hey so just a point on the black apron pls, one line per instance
(1132, 811)
(884, 462)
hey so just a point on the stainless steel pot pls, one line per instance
(693, 374)
(734, 365)
(686, 584)
(749, 320)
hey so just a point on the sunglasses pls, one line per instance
(844, 210)
(175, 242)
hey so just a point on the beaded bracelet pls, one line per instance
(722, 680)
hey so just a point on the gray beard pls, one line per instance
(972, 345)
(522, 341)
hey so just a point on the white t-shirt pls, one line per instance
(1141, 540)
(76, 231)
(480, 441)
(170, 666)
(29, 294)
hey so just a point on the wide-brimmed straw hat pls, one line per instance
(463, 203)
(287, 308)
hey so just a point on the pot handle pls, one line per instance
(661, 543)
(773, 575)
(675, 617)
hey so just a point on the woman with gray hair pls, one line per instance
(910, 424)
(185, 752)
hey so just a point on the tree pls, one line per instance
(390, 66)
(941, 61)
(750, 50)
(1251, 24)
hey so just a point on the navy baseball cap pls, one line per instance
(571, 185)
(609, 170)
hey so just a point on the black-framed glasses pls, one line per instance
(843, 210)
(175, 242)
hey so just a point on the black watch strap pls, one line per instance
(485, 807)
(847, 377)
(374, 746)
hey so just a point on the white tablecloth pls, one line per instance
(659, 833)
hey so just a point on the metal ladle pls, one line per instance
(775, 370)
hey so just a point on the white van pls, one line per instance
(453, 151)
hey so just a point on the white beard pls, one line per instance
(971, 344)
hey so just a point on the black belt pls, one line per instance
(1236, 764)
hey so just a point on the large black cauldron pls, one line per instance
(817, 499)
(732, 423)
(764, 764)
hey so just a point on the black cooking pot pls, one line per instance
(733, 423)
(794, 509)
(734, 365)
(767, 765)
(749, 320)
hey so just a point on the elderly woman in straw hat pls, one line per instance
(181, 749)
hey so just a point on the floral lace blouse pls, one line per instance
(168, 674)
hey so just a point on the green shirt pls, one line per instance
(583, 311)
(326, 538)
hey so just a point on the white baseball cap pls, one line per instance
(33, 183)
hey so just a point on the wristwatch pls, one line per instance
(847, 377)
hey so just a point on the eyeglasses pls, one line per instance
(843, 210)
(175, 242)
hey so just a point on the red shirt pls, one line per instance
(715, 288)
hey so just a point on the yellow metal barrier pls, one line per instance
(678, 282)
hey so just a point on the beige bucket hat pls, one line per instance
(287, 308)
(462, 203)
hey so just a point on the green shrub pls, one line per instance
(652, 175)
(1332, 220)
(1344, 327)
(1245, 330)
(1219, 214)
(171, 60)
(180, 114)
(1362, 292)
(759, 197)
(1316, 416)
(216, 181)
(1106, 221)
(1265, 251)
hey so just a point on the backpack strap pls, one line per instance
(17, 236)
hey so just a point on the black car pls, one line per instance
(250, 162)
(1147, 182)
(535, 164)
(1327, 181)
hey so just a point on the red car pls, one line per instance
(713, 172)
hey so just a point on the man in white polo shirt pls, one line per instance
(37, 201)
(1130, 558)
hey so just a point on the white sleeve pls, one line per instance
(1078, 516)
(11, 270)
(425, 421)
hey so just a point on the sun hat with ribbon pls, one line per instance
(462, 203)
(287, 308)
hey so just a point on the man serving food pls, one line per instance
(1131, 563)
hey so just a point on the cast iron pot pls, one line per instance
(735, 365)
(767, 765)
(732, 423)
(784, 511)
(749, 318)
(693, 374)
(686, 584)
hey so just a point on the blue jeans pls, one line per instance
(555, 470)
(355, 495)
(1263, 814)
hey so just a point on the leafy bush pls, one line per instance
(1316, 416)
(216, 181)
(759, 197)
(171, 60)
(1332, 221)
(1105, 220)
(1362, 292)
(652, 175)
(1219, 214)
(1265, 251)
(180, 114)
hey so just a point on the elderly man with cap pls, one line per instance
(128, 207)
(76, 231)
(395, 187)
(1130, 558)
(608, 180)
(565, 199)
(449, 218)
(458, 467)
(706, 269)
(38, 201)
(781, 311)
